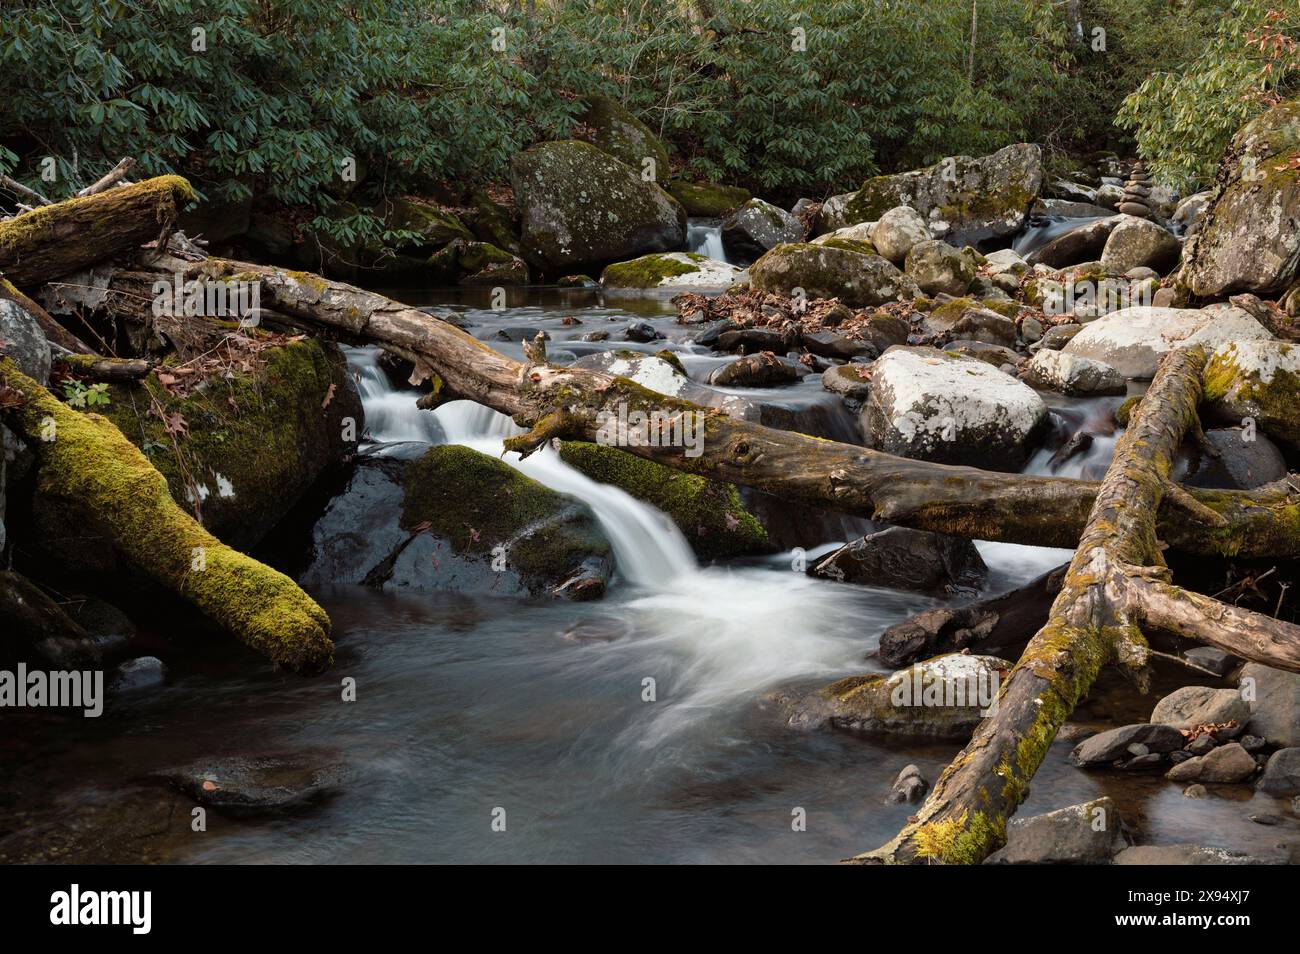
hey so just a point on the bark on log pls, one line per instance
(1111, 588)
(107, 369)
(85, 460)
(845, 478)
(66, 237)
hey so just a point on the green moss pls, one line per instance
(1003, 306)
(852, 245)
(710, 513)
(649, 270)
(950, 311)
(707, 199)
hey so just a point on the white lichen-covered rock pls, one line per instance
(833, 214)
(1189, 210)
(931, 405)
(756, 227)
(1133, 340)
(944, 697)
(1005, 261)
(897, 231)
(1073, 375)
(1135, 243)
(647, 370)
(850, 233)
(963, 200)
(1257, 380)
(579, 205)
(670, 270)
(1250, 235)
(825, 271)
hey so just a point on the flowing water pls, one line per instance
(704, 237)
(1043, 229)
(470, 709)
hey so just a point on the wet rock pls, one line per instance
(37, 629)
(579, 205)
(1105, 748)
(1241, 465)
(1195, 790)
(1200, 705)
(1192, 855)
(904, 559)
(1083, 243)
(757, 340)
(853, 381)
(670, 270)
(930, 405)
(909, 788)
(962, 200)
(1226, 763)
(1084, 834)
(827, 344)
(939, 268)
(755, 228)
(945, 697)
(142, 673)
(1282, 773)
(1202, 745)
(1255, 379)
(756, 371)
(642, 332)
(824, 271)
(1274, 700)
(1135, 242)
(258, 786)
(1073, 375)
(22, 340)
(897, 231)
(1132, 340)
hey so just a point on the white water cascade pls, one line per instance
(704, 237)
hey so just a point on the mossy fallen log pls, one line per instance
(66, 237)
(85, 461)
(1095, 620)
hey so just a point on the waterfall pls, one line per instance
(1041, 230)
(704, 237)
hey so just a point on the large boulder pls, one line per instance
(708, 199)
(1139, 243)
(581, 206)
(1086, 834)
(932, 405)
(669, 270)
(625, 137)
(1249, 239)
(1274, 700)
(897, 231)
(451, 518)
(1191, 706)
(1282, 773)
(756, 227)
(1073, 374)
(1083, 243)
(1256, 379)
(938, 268)
(963, 200)
(824, 271)
(945, 697)
(904, 559)
(1132, 340)
(1233, 458)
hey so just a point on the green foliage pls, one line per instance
(79, 394)
(1183, 119)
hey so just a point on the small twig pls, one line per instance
(109, 179)
(13, 185)
(1280, 597)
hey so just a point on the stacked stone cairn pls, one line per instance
(1137, 193)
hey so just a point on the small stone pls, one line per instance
(1266, 819)
(1252, 743)
(641, 332)
(1196, 790)
(1137, 748)
(139, 673)
(1202, 745)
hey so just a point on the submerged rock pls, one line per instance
(1086, 834)
(262, 785)
(905, 559)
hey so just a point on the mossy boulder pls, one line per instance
(1249, 237)
(491, 223)
(938, 268)
(425, 230)
(709, 513)
(963, 200)
(625, 137)
(476, 263)
(708, 200)
(426, 519)
(581, 206)
(668, 269)
(823, 271)
(756, 227)
(1258, 380)
(433, 227)
(247, 444)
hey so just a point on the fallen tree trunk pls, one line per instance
(85, 461)
(845, 478)
(66, 237)
(107, 369)
(1117, 581)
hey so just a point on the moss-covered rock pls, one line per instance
(1258, 380)
(625, 137)
(939, 268)
(963, 200)
(491, 222)
(824, 271)
(581, 206)
(667, 269)
(710, 513)
(708, 200)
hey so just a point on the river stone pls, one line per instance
(945, 697)
(938, 268)
(1193, 855)
(1249, 238)
(754, 371)
(827, 344)
(985, 326)
(1200, 705)
(579, 206)
(423, 519)
(756, 227)
(625, 137)
(1083, 243)
(1073, 375)
(1241, 465)
(897, 231)
(1084, 834)
(1105, 748)
(1282, 773)
(849, 380)
(963, 200)
(1227, 763)
(884, 330)
(142, 673)
(22, 340)
(904, 559)
(1109, 195)
(824, 271)
(1068, 209)
(909, 787)
(1135, 242)
(1256, 379)
(1005, 261)
(930, 405)
(669, 270)
(1132, 340)
(1274, 700)
(261, 785)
